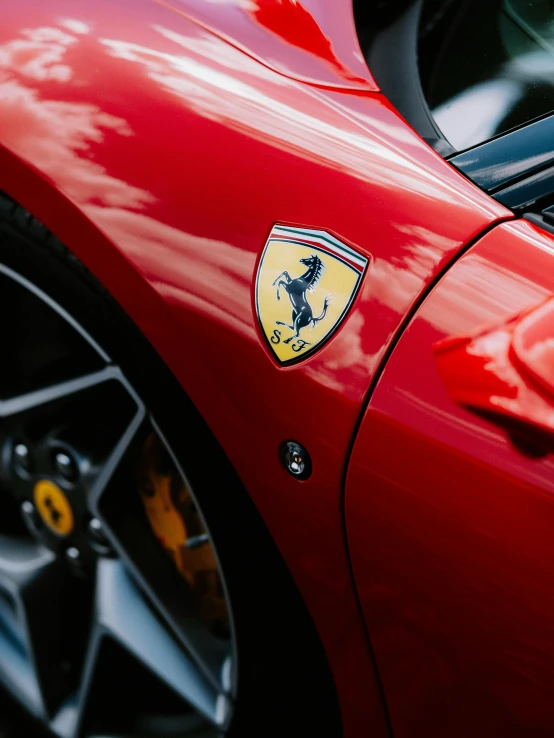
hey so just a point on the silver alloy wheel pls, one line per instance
(100, 634)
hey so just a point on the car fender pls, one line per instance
(311, 41)
(162, 156)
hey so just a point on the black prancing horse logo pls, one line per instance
(302, 314)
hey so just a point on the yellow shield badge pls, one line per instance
(307, 280)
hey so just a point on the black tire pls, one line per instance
(285, 687)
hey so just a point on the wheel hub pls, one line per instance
(53, 507)
(48, 479)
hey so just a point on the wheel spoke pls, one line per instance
(170, 593)
(41, 397)
(57, 309)
(17, 571)
(16, 672)
(21, 563)
(47, 614)
(122, 614)
(171, 598)
(113, 460)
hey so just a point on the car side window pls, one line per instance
(486, 66)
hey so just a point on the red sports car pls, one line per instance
(277, 386)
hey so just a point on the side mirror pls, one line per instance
(506, 374)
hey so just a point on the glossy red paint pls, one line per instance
(449, 524)
(532, 346)
(162, 156)
(505, 372)
(308, 40)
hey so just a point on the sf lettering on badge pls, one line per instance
(297, 346)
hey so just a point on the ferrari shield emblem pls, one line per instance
(306, 283)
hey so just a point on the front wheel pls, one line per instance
(140, 593)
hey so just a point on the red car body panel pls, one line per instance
(162, 155)
(311, 41)
(505, 372)
(450, 525)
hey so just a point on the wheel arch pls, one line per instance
(34, 191)
(209, 471)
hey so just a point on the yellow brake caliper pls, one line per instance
(176, 523)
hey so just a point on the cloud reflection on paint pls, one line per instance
(55, 136)
(248, 106)
(38, 54)
(217, 82)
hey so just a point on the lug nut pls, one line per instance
(65, 466)
(73, 555)
(96, 530)
(22, 457)
(75, 560)
(31, 516)
(97, 537)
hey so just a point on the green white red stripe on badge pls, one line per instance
(321, 240)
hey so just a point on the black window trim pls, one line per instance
(516, 168)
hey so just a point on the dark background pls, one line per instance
(13, 723)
